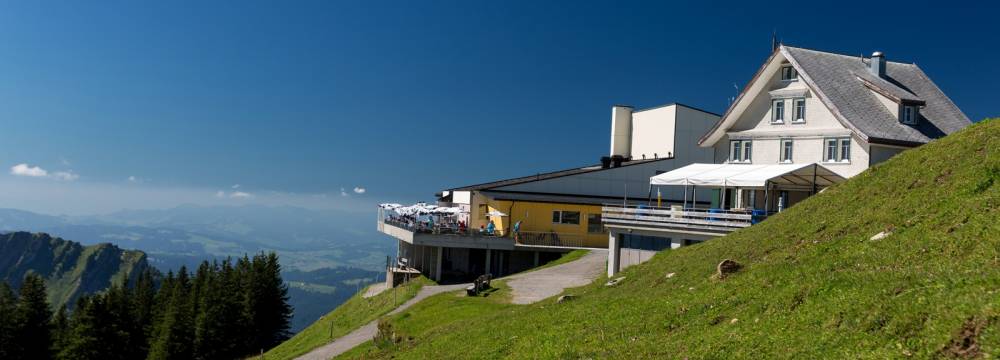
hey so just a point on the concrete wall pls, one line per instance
(631, 257)
(621, 130)
(653, 132)
(620, 258)
(423, 258)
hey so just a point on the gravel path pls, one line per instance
(526, 288)
(367, 332)
(534, 286)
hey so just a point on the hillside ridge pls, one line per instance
(69, 268)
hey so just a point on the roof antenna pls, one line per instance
(737, 91)
(774, 40)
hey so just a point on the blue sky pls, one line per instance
(296, 102)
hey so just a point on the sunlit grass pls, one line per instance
(813, 285)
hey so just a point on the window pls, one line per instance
(566, 217)
(786, 150)
(594, 225)
(482, 212)
(845, 149)
(740, 150)
(788, 73)
(909, 115)
(838, 150)
(643, 242)
(800, 111)
(778, 111)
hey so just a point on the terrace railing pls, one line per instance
(553, 239)
(714, 220)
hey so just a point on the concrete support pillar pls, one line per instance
(536, 259)
(437, 271)
(488, 257)
(614, 254)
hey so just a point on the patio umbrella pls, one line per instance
(495, 213)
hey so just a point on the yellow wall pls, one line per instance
(537, 217)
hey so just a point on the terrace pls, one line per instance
(430, 225)
(754, 192)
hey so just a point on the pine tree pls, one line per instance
(121, 325)
(9, 348)
(143, 311)
(86, 333)
(60, 330)
(279, 317)
(266, 302)
(213, 338)
(33, 316)
(174, 335)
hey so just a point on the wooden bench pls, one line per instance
(482, 283)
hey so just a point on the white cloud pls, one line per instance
(344, 193)
(220, 194)
(237, 186)
(135, 179)
(65, 175)
(359, 190)
(64, 161)
(26, 170)
(240, 195)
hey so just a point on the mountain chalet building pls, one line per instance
(557, 211)
(807, 119)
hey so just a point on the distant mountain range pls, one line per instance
(69, 268)
(185, 235)
(326, 255)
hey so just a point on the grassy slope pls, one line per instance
(345, 318)
(813, 285)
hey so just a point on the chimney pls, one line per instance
(621, 130)
(617, 160)
(877, 64)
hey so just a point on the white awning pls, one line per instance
(680, 176)
(748, 175)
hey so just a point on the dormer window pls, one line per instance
(908, 115)
(788, 73)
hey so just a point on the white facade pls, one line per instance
(759, 123)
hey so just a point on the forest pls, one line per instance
(223, 310)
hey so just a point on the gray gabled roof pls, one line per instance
(846, 85)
